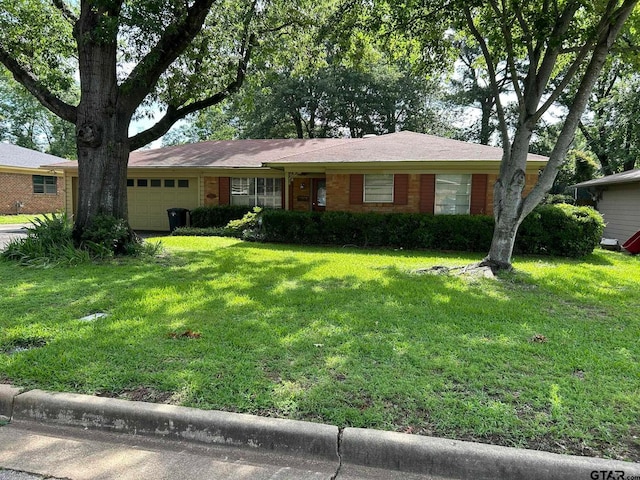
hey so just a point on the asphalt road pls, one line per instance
(8, 233)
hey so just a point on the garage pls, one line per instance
(149, 199)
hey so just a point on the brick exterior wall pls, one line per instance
(300, 198)
(19, 188)
(338, 196)
(211, 192)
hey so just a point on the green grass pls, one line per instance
(11, 219)
(544, 358)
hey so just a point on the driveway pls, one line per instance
(9, 232)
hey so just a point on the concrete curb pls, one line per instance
(351, 447)
(467, 460)
(179, 423)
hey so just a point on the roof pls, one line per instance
(20, 157)
(394, 147)
(624, 177)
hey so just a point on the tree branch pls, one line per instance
(608, 30)
(174, 114)
(174, 41)
(66, 12)
(504, 129)
(45, 97)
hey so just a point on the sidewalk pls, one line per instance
(81, 436)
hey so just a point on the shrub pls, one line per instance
(49, 242)
(213, 217)
(560, 229)
(107, 235)
(444, 232)
(247, 227)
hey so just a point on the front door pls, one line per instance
(319, 198)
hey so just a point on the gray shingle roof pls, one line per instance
(624, 177)
(393, 147)
(14, 156)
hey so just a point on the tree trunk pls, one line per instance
(508, 202)
(102, 126)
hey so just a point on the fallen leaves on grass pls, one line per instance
(538, 338)
(186, 334)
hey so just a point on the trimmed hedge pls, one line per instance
(406, 230)
(214, 217)
(562, 230)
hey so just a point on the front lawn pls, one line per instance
(546, 358)
(17, 219)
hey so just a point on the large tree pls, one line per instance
(554, 43)
(544, 47)
(610, 126)
(132, 58)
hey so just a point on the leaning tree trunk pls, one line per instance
(508, 202)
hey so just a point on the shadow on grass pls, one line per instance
(298, 332)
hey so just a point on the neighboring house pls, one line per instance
(27, 184)
(398, 172)
(617, 198)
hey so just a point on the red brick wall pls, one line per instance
(19, 188)
(338, 196)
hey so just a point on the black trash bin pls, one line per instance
(177, 218)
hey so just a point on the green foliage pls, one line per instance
(201, 232)
(26, 123)
(248, 226)
(561, 230)
(440, 232)
(107, 235)
(49, 242)
(211, 217)
(346, 336)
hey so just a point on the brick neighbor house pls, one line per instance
(398, 172)
(27, 183)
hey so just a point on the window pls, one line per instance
(263, 192)
(183, 183)
(143, 182)
(156, 182)
(45, 184)
(169, 183)
(453, 194)
(130, 182)
(378, 188)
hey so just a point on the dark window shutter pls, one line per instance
(356, 189)
(401, 189)
(478, 193)
(225, 190)
(427, 193)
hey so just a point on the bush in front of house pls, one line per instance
(406, 230)
(561, 230)
(215, 217)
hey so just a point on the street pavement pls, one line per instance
(8, 233)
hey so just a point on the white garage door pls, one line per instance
(149, 199)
